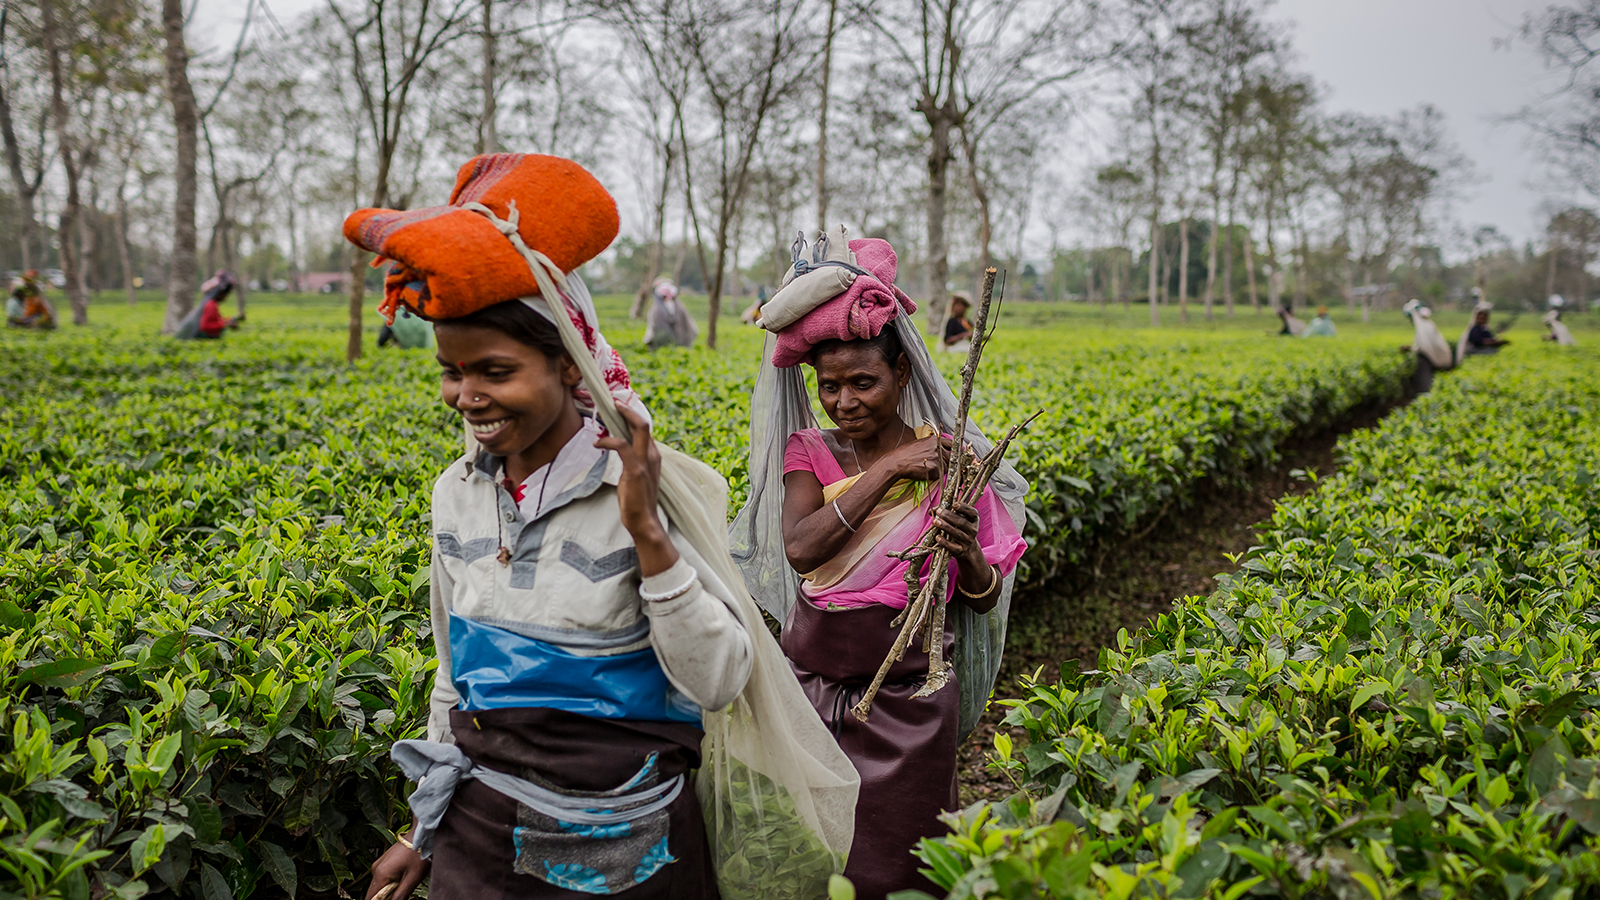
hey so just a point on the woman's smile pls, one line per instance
(487, 431)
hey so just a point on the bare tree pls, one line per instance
(1573, 235)
(1565, 121)
(183, 278)
(1228, 41)
(488, 139)
(1281, 133)
(655, 31)
(27, 165)
(388, 42)
(749, 59)
(968, 64)
(51, 31)
(1113, 199)
(822, 117)
(1153, 61)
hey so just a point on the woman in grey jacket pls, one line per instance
(579, 636)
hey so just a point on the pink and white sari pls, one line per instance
(862, 573)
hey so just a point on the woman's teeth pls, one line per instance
(486, 427)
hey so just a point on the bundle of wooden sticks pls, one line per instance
(965, 478)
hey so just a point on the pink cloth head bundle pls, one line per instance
(859, 313)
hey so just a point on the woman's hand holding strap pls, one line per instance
(639, 491)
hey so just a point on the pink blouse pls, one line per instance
(998, 536)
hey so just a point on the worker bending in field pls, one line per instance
(1321, 326)
(26, 307)
(206, 322)
(958, 328)
(669, 323)
(1432, 351)
(1557, 329)
(1292, 327)
(407, 332)
(1480, 339)
(585, 633)
(843, 499)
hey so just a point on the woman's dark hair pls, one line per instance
(518, 321)
(887, 343)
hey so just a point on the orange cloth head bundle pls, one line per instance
(451, 262)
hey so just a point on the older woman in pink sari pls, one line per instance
(853, 494)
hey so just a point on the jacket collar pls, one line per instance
(486, 467)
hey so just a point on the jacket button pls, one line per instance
(511, 517)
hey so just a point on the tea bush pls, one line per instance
(1395, 696)
(213, 561)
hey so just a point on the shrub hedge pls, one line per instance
(1395, 696)
(213, 562)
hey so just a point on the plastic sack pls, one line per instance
(189, 328)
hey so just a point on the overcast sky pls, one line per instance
(1372, 56)
(1381, 56)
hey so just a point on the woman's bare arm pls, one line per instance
(812, 532)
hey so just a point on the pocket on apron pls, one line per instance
(601, 842)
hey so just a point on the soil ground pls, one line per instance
(1180, 556)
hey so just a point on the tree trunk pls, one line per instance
(1125, 262)
(1250, 271)
(1302, 270)
(1165, 283)
(822, 121)
(123, 252)
(358, 287)
(1211, 262)
(981, 195)
(182, 281)
(25, 191)
(358, 261)
(699, 242)
(1155, 254)
(1211, 240)
(1183, 270)
(938, 168)
(67, 225)
(1349, 283)
(658, 244)
(230, 261)
(1550, 278)
(88, 249)
(1273, 281)
(1227, 264)
(488, 137)
(294, 243)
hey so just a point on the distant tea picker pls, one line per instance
(609, 715)
(27, 306)
(1431, 349)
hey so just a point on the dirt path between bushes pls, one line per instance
(1180, 556)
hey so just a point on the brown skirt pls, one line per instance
(906, 750)
(475, 854)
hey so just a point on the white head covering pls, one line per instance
(1558, 329)
(780, 407)
(1427, 341)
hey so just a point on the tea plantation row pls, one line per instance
(213, 557)
(1396, 696)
